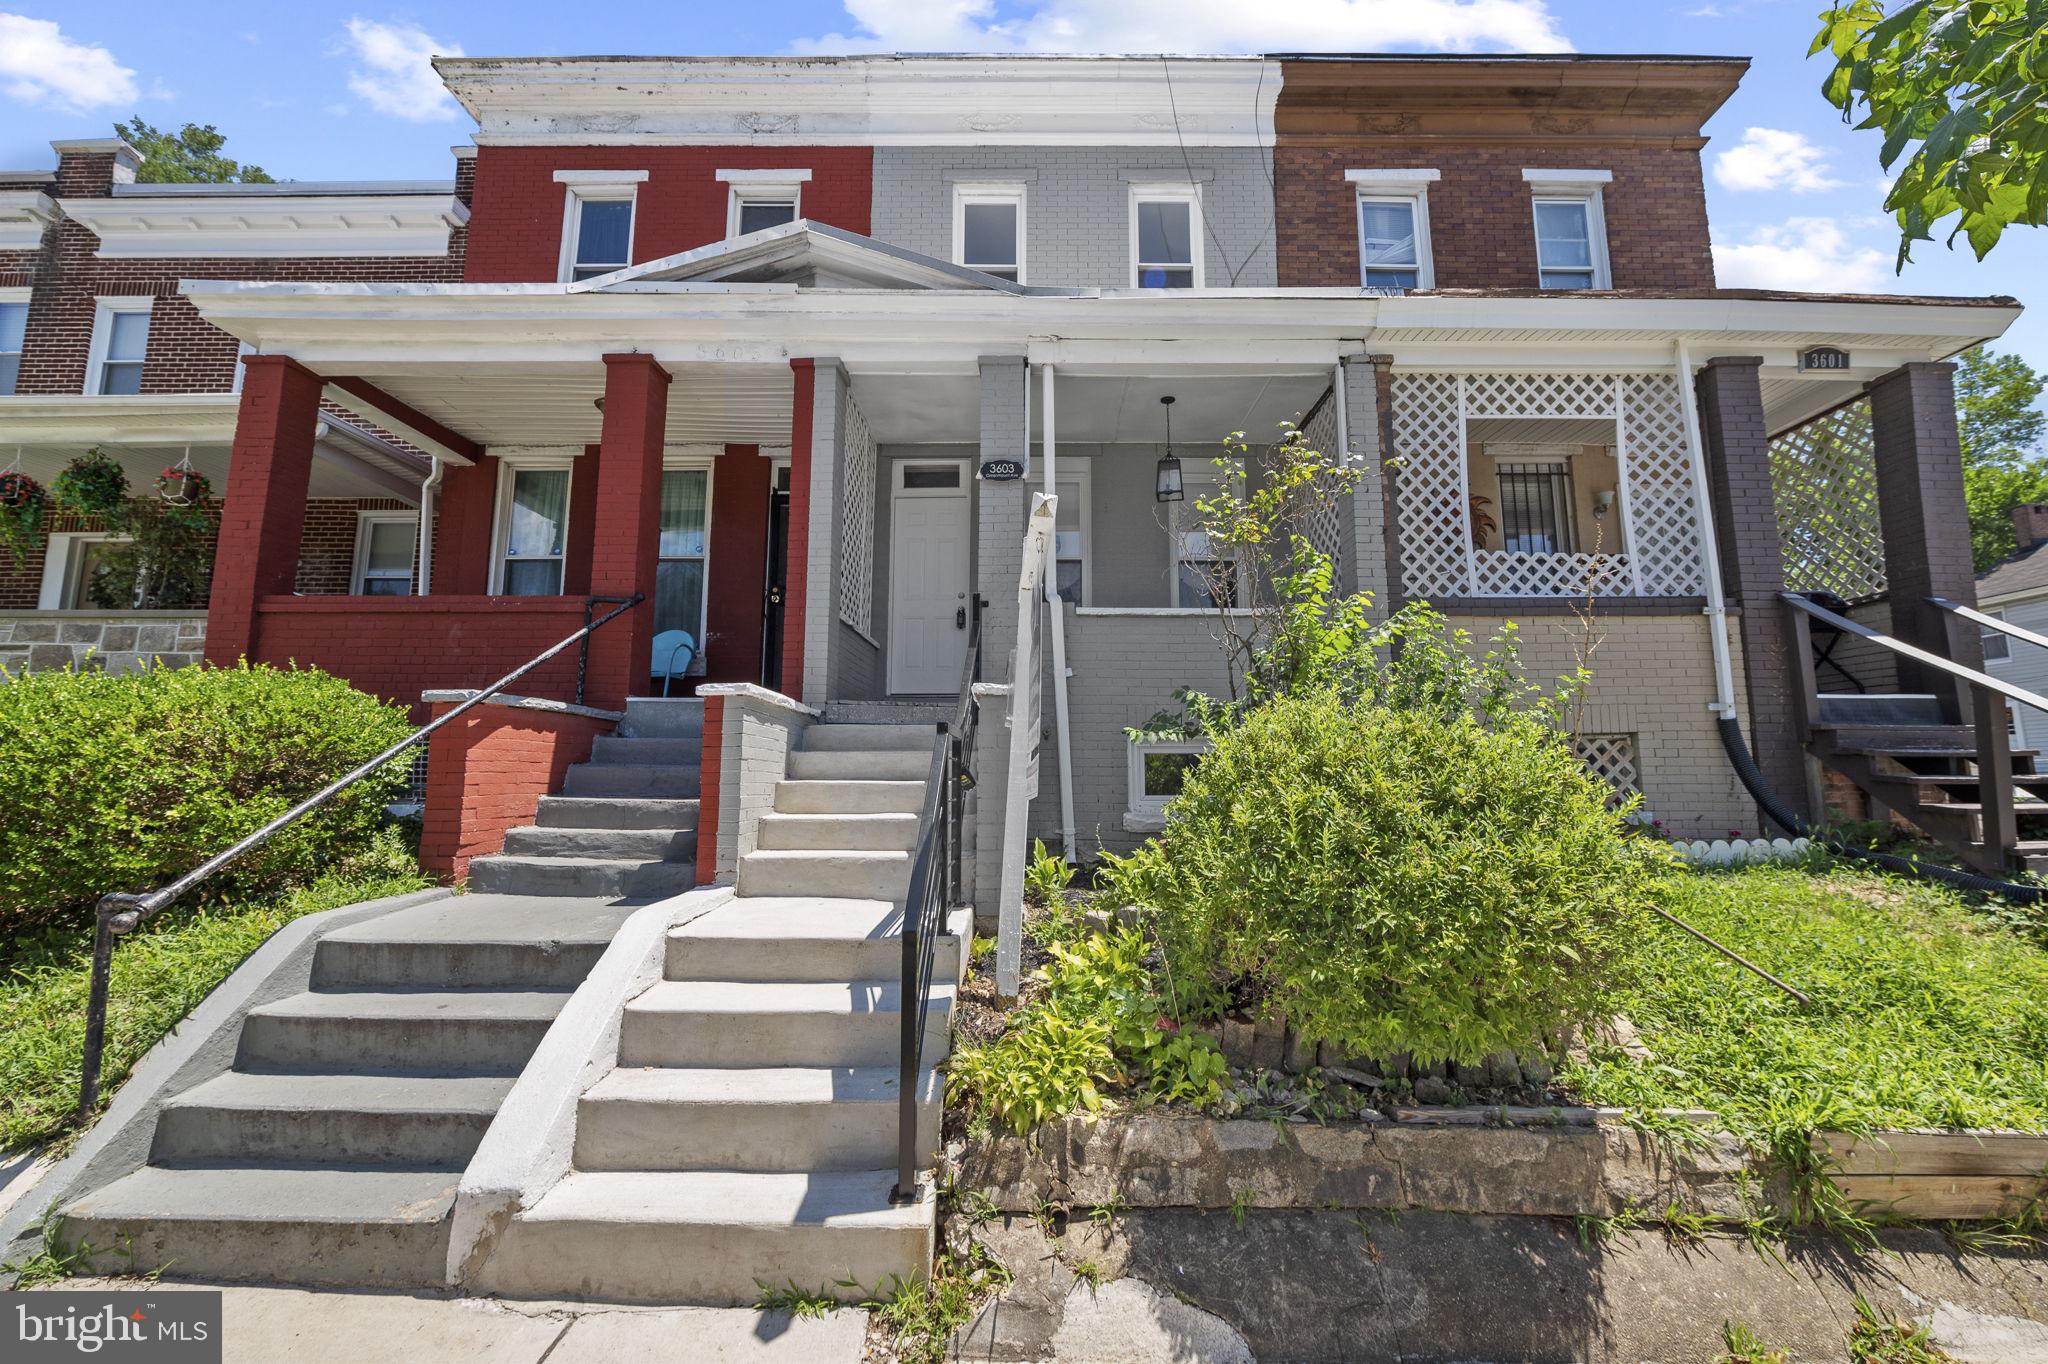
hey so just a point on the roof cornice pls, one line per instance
(269, 225)
(871, 101)
(24, 213)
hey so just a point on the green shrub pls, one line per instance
(122, 783)
(1047, 876)
(1422, 866)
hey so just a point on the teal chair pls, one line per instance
(674, 651)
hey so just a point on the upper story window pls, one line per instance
(1166, 224)
(988, 229)
(763, 198)
(120, 338)
(597, 231)
(1393, 228)
(1571, 235)
(13, 328)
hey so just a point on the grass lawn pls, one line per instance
(1927, 1012)
(160, 974)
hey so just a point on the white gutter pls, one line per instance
(430, 485)
(1723, 704)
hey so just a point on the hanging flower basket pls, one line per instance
(21, 514)
(19, 492)
(91, 485)
(183, 486)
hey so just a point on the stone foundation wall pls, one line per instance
(119, 642)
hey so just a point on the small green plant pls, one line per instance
(978, 1208)
(1104, 1215)
(1090, 1273)
(1684, 1224)
(1881, 1338)
(49, 1263)
(980, 950)
(921, 1316)
(1241, 1204)
(1048, 875)
(1050, 1063)
(1598, 1231)
(1744, 1346)
(798, 1302)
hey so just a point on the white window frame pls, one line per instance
(359, 568)
(1410, 187)
(242, 348)
(991, 192)
(1584, 187)
(709, 464)
(770, 185)
(17, 297)
(60, 568)
(1137, 803)
(1080, 470)
(1179, 192)
(1988, 637)
(509, 466)
(1194, 484)
(104, 310)
(585, 186)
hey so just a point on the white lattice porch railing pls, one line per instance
(1824, 482)
(1433, 411)
(857, 522)
(1326, 523)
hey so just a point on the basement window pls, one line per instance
(1156, 772)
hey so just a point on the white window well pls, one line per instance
(385, 543)
(533, 529)
(1155, 774)
(763, 198)
(1571, 233)
(120, 339)
(1166, 235)
(597, 223)
(988, 229)
(1393, 228)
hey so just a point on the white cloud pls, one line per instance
(1807, 254)
(1772, 158)
(395, 75)
(39, 65)
(1197, 26)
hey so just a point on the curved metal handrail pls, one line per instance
(119, 913)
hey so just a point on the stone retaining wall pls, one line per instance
(118, 641)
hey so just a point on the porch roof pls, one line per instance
(520, 363)
(805, 254)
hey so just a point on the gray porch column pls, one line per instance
(999, 550)
(822, 553)
(1926, 523)
(1370, 563)
(1738, 451)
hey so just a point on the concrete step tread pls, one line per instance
(521, 1005)
(616, 812)
(832, 764)
(640, 750)
(256, 1091)
(771, 917)
(874, 855)
(769, 1085)
(622, 863)
(543, 920)
(834, 1198)
(845, 998)
(272, 1193)
(869, 738)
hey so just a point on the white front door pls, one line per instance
(928, 576)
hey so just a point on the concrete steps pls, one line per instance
(632, 878)
(616, 812)
(825, 872)
(758, 1023)
(637, 845)
(893, 832)
(798, 938)
(896, 764)
(330, 1154)
(849, 797)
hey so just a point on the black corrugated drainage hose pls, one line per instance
(1782, 815)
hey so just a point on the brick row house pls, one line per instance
(745, 334)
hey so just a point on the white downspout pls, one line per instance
(1343, 415)
(1056, 621)
(1723, 704)
(429, 485)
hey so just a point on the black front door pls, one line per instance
(778, 582)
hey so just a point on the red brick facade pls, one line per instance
(486, 773)
(516, 234)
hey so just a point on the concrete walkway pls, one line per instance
(264, 1325)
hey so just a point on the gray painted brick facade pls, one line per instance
(1077, 206)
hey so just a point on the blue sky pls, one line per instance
(315, 92)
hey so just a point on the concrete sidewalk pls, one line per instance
(268, 1325)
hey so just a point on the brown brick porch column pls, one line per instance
(1926, 523)
(1738, 451)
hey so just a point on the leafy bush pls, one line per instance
(121, 783)
(1048, 875)
(1400, 854)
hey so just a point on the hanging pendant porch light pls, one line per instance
(1166, 484)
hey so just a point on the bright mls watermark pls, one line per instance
(165, 1327)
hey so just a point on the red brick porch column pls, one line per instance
(797, 542)
(263, 507)
(626, 523)
(1738, 450)
(1926, 523)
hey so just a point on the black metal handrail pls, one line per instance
(120, 913)
(935, 873)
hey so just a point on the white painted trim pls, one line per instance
(1170, 192)
(56, 585)
(1596, 231)
(1137, 803)
(614, 189)
(1415, 194)
(1013, 192)
(789, 187)
(360, 563)
(1079, 470)
(600, 177)
(766, 175)
(24, 215)
(215, 226)
(1378, 178)
(510, 462)
(103, 311)
(1545, 180)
